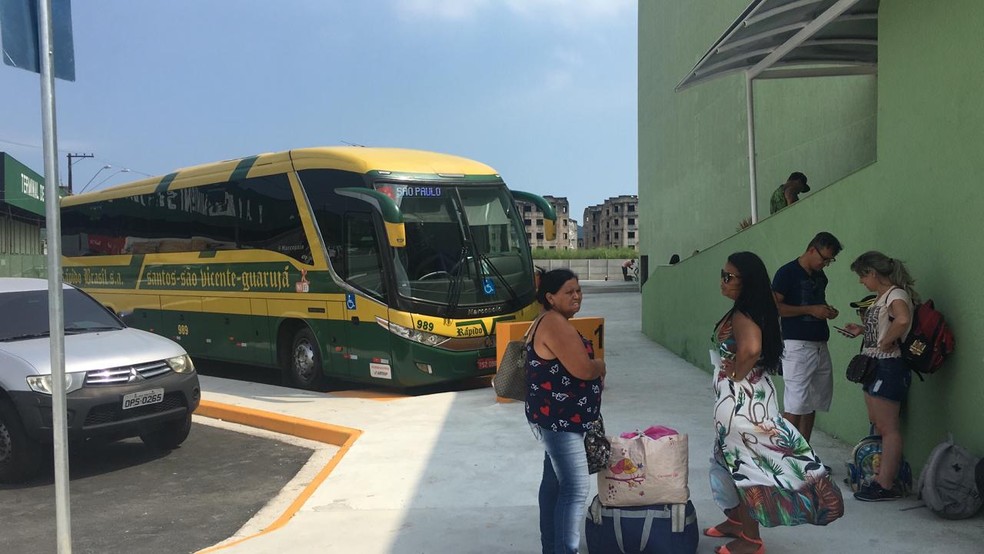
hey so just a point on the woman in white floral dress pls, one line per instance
(761, 460)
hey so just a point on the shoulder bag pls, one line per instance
(510, 377)
(861, 369)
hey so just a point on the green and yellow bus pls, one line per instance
(373, 265)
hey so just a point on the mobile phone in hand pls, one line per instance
(844, 332)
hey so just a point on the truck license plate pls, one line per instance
(486, 363)
(142, 398)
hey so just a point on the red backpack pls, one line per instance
(929, 341)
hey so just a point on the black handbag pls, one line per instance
(861, 369)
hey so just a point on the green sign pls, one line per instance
(22, 187)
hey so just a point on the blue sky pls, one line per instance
(542, 90)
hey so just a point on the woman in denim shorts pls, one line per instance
(886, 322)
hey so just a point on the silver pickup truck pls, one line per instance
(119, 382)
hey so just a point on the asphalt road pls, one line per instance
(268, 376)
(127, 498)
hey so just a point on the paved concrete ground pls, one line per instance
(126, 497)
(458, 472)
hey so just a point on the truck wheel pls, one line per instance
(304, 369)
(168, 436)
(19, 456)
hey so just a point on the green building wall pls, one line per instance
(22, 265)
(895, 165)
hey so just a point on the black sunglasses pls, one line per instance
(727, 277)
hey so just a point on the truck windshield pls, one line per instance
(81, 314)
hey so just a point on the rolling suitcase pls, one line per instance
(653, 529)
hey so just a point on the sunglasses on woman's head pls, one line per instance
(727, 276)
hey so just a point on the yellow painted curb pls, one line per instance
(343, 437)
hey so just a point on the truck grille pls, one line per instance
(120, 375)
(109, 413)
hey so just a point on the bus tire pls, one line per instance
(20, 457)
(304, 367)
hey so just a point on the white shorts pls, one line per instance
(807, 375)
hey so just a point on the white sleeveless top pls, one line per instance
(877, 321)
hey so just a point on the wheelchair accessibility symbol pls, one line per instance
(349, 301)
(488, 287)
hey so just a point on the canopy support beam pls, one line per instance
(750, 116)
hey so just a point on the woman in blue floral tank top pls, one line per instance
(564, 395)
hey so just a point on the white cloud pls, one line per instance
(572, 13)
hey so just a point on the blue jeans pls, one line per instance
(892, 380)
(563, 491)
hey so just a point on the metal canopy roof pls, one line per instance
(803, 37)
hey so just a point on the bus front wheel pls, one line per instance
(304, 369)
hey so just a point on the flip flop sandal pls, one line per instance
(715, 533)
(742, 536)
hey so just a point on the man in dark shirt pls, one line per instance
(788, 192)
(800, 289)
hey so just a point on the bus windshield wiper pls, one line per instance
(454, 290)
(454, 287)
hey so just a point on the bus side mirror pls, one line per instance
(396, 232)
(549, 214)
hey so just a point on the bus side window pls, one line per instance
(329, 209)
(362, 265)
(268, 217)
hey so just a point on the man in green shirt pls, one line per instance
(788, 192)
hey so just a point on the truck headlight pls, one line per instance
(181, 364)
(43, 384)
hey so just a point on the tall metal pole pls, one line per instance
(750, 115)
(56, 316)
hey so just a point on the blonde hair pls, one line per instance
(889, 268)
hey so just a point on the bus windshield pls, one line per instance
(465, 246)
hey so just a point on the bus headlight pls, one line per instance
(42, 383)
(181, 364)
(416, 335)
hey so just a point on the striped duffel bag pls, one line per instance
(653, 529)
